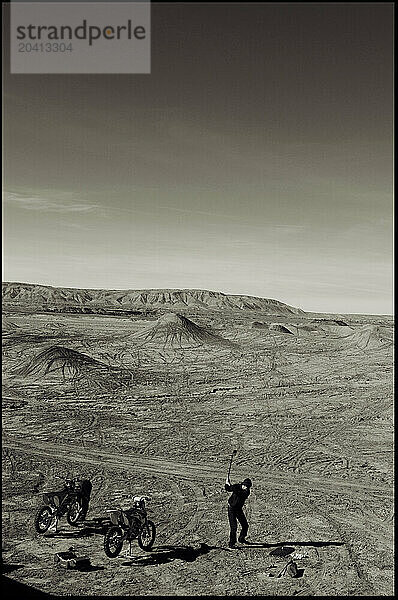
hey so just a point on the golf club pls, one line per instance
(234, 453)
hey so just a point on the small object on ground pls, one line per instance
(299, 556)
(290, 568)
(69, 560)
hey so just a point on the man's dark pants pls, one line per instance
(86, 493)
(235, 515)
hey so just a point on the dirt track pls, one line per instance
(314, 434)
(332, 538)
(189, 471)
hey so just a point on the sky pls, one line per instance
(256, 158)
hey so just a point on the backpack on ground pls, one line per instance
(290, 568)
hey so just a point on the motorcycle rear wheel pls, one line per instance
(147, 536)
(113, 541)
(43, 519)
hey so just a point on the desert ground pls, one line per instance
(155, 405)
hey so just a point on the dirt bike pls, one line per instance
(72, 500)
(128, 525)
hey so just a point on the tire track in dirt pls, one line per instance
(175, 510)
(70, 430)
(199, 509)
(173, 568)
(316, 583)
(319, 567)
(302, 506)
(100, 486)
(353, 558)
(193, 522)
(301, 454)
(378, 533)
(189, 471)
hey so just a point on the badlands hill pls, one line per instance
(53, 298)
(173, 328)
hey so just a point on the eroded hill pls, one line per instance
(71, 299)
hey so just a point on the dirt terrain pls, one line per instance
(156, 403)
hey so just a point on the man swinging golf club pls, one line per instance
(240, 491)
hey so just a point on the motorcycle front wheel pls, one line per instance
(113, 541)
(74, 512)
(147, 536)
(43, 519)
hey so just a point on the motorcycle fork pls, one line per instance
(55, 510)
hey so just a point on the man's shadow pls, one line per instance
(166, 554)
(286, 548)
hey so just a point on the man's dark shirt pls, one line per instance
(238, 496)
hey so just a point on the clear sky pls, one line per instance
(256, 158)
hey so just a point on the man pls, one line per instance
(240, 491)
(85, 498)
